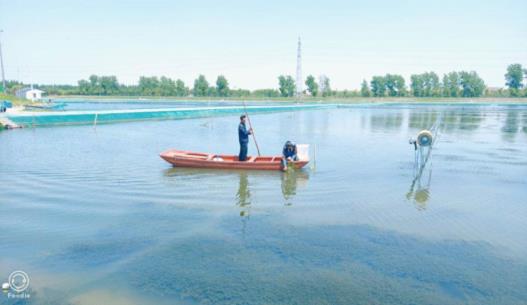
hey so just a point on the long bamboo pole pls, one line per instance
(251, 127)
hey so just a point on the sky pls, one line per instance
(253, 42)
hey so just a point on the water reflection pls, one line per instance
(452, 120)
(290, 182)
(419, 192)
(524, 122)
(386, 121)
(243, 196)
(455, 118)
(421, 119)
(511, 125)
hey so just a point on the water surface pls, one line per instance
(127, 103)
(94, 216)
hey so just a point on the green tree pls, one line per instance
(431, 84)
(325, 86)
(389, 83)
(347, 93)
(201, 86)
(471, 84)
(84, 87)
(364, 89)
(95, 88)
(417, 85)
(400, 85)
(425, 84)
(514, 79)
(312, 85)
(240, 93)
(167, 86)
(149, 86)
(108, 85)
(181, 89)
(378, 86)
(222, 86)
(286, 85)
(451, 84)
(266, 93)
(395, 85)
(211, 91)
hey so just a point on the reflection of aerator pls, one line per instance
(419, 191)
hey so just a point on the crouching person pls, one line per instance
(289, 153)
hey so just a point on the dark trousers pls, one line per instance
(243, 151)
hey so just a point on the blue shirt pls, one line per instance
(289, 153)
(243, 134)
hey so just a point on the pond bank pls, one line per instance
(49, 118)
(351, 100)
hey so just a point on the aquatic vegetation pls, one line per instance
(327, 265)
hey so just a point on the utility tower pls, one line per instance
(2, 65)
(299, 82)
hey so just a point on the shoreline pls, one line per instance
(353, 100)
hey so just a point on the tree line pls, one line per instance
(427, 84)
(453, 84)
(152, 86)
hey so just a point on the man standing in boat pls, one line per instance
(243, 136)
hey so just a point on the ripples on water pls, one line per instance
(95, 216)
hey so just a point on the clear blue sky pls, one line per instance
(252, 43)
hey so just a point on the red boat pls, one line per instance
(184, 158)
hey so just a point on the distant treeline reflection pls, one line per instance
(514, 120)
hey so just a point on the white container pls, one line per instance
(302, 152)
(5, 286)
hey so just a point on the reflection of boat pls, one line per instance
(183, 158)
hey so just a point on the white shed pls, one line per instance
(30, 93)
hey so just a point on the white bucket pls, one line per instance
(302, 152)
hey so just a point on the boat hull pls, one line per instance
(181, 158)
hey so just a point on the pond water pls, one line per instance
(120, 104)
(94, 216)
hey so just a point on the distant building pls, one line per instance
(30, 93)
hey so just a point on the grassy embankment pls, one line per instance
(15, 100)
